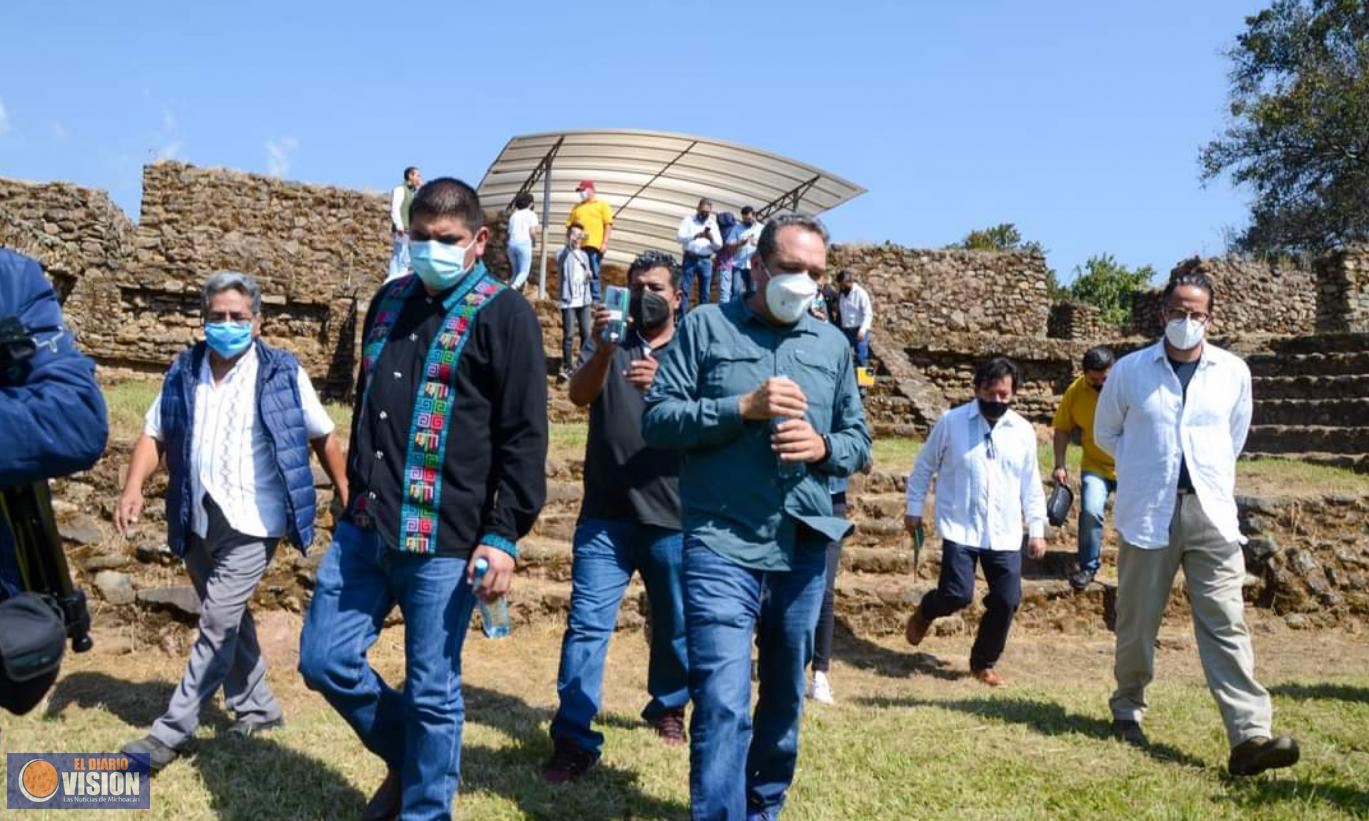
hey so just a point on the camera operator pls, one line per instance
(52, 422)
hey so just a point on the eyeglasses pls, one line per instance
(1179, 314)
(988, 444)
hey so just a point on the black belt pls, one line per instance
(697, 256)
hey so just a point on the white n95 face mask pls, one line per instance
(1184, 334)
(789, 295)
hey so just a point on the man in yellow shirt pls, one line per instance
(596, 217)
(1099, 471)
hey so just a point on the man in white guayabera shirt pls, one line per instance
(1175, 416)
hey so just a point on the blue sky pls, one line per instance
(1079, 121)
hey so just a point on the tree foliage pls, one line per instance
(1299, 129)
(1107, 284)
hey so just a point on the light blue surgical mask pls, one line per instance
(228, 339)
(438, 264)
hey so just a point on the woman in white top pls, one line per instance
(523, 230)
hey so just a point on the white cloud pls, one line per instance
(4, 120)
(278, 155)
(169, 151)
(59, 131)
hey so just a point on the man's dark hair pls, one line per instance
(845, 275)
(1099, 358)
(573, 226)
(409, 169)
(1196, 279)
(747, 210)
(994, 370)
(648, 260)
(448, 197)
(523, 200)
(765, 246)
(705, 201)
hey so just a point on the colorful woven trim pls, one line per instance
(432, 417)
(387, 313)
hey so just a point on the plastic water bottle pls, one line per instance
(787, 470)
(494, 615)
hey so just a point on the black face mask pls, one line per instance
(1095, 387)
(650, 310)
(702, 216)
(993, 411)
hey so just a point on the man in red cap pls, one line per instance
(595, 216)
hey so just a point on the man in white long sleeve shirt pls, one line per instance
(983, 455)
(700, 239)
(400, 197)
(857, 315)
(1175, 416)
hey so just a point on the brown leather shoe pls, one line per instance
(671, 727)
(989, 677)
(387, 801)
(917, 627)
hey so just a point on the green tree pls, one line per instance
(1299, 128)
(1006, 237)
(1107, 284)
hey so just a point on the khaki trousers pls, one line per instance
(1214, 570)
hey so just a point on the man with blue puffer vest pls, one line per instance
(236, 420)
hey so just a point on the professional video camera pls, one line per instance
(35, 623)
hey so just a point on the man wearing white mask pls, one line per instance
(762, 398)
(1175, 417)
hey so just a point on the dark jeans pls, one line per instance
(700, 268)
(569, 318)
(859, 347)
(822, 644)
(606, 554)
(735, 769)
(955, 590)
(596, 260)
(416, 731)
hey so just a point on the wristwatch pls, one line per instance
(826, 448)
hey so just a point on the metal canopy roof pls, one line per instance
(652, 179)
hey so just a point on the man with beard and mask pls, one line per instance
(596, 218)
(857, 315)
(629, 523)
(447, 470)
(983, 456)
(762, 399)
(745, 234)
(1098, 473)
(700, 238)
(1175, 416)
(235, 419)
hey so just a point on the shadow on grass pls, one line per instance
(1250, 793)
(1044, 717)
(1321, 692)
(249, 778)
(867, 655)
(515, 771)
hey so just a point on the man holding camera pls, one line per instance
(52, 422)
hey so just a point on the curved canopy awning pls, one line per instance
(652, 179)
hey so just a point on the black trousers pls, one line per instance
(822, 643)
(955, 590)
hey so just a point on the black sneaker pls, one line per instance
(567, 763)
(1129, 731)
(158, 754)
(1081, 579)
(247, 729)
(1255, 755)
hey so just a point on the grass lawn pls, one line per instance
(911, 735)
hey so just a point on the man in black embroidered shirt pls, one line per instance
(447, 466)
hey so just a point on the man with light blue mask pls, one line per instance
(447, 469)
(236, 420)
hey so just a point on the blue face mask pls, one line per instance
(438, 264)
(228, 339)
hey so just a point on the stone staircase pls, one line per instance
(1311, 400)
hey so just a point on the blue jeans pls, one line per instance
(859, 347)
(399, 257)
(596, 260)
(1093, 490)
(702, 268)
(729, 283)
(607, 553)
(738, 765)
(416, 732)
(520, 262)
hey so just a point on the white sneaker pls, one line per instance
(820, 690)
